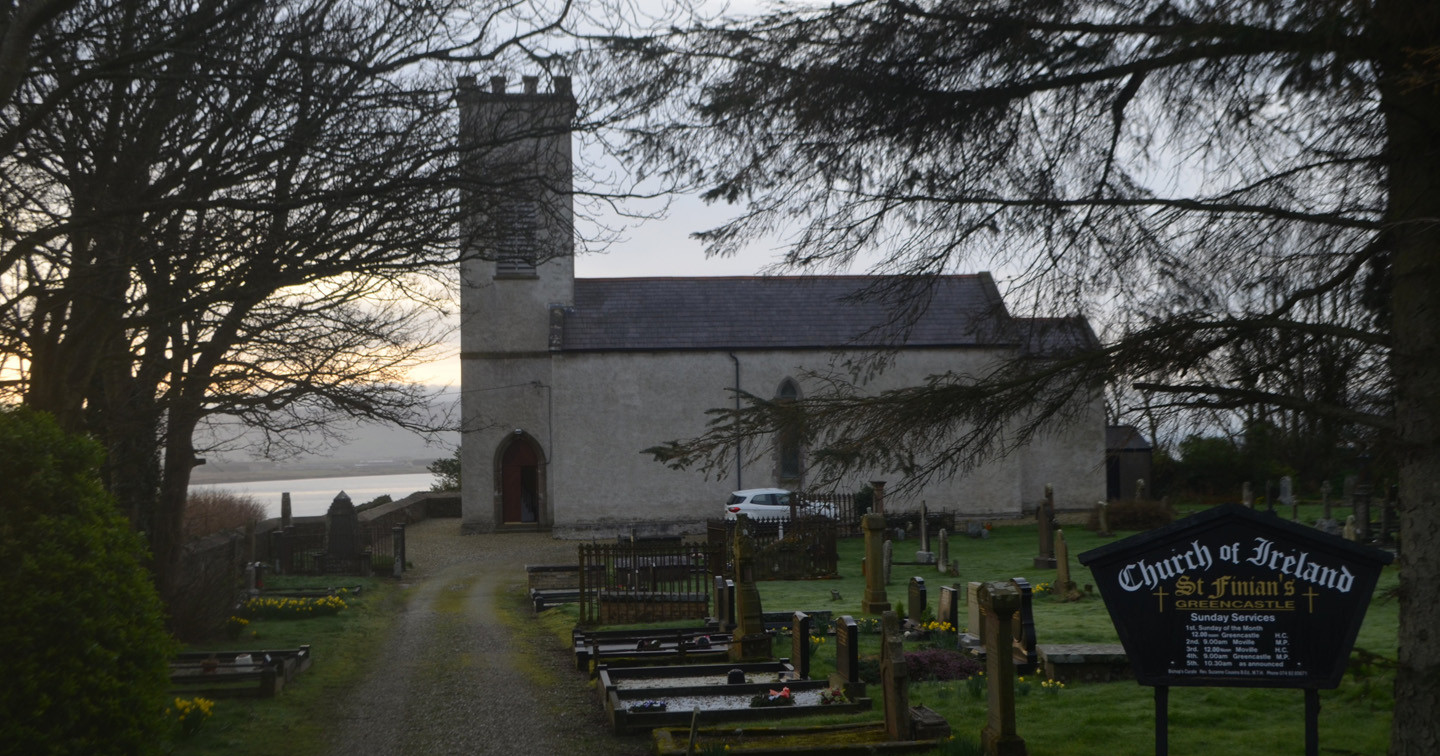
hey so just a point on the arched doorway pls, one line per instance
(521, 482)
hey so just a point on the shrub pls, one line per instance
(82, 633)
(209, 511)
(446, 472)
(1127, 514)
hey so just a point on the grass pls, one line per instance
(295, 722)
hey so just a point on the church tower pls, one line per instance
(517, 276)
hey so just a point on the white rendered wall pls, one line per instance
(613, 405)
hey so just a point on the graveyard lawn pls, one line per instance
(294, 722)
(1095, 719)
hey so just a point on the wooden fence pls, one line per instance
(300, 550)
(784, 549)
(627, 583)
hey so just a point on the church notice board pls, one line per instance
(1234, 597)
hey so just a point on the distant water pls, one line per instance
(312, 496)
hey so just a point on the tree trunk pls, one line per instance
(1412, 113)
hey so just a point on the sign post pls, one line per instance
(1233, 597)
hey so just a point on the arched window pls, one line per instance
(789, 468)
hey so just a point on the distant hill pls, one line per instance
(369, 450)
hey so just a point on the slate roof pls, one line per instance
(1125, 438)
(785, 312)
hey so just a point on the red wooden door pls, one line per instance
(520, 483)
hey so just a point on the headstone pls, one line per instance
(943, 556)
(729, 625)
(976, 529)
(1325, 500)
(342, 534)
(924, 555)
(1361, 502)
(720, 603)
(1064, 587)
(749, 641)
(889, 560)
(917, 600)
(948, 606)
(847, 658)
(1024, 645)
(974, 616)
(1046, 516)
(1287, 497)
(894, 674)
(1139, 489)
(1247, 495)
(251, 580)
(872, 525)
(1001, 602)
(1102, 515)
(1351, 533)
(800, 644)
(1347, 488)
(1269, 498)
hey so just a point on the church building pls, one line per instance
(565, 381)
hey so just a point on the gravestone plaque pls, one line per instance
(847, 657)
(917, 600)
(948, 606)
(800, 644)
(1230, 597)
(723, 607)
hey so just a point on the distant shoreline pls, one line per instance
(220, 476)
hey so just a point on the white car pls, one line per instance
(766, 504)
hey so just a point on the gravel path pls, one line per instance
(454, 678)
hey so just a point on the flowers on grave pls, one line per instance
(816, 641)
(1053, 687)
(648, 706)
(1022, 686)
(780, 697)
(190, 714)
(262, 607)
(833, 696)
(935, 626)
(1040, 588)
(235, 626)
